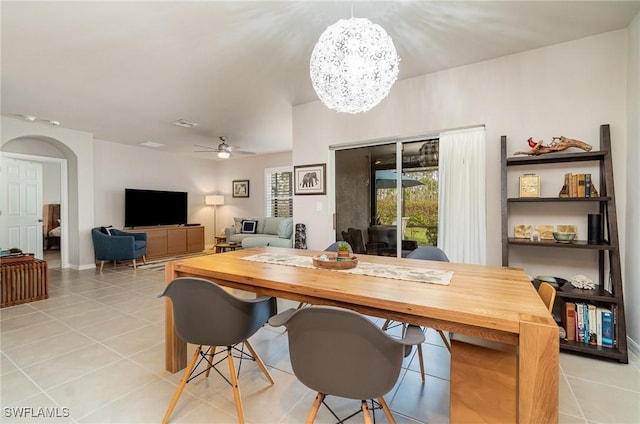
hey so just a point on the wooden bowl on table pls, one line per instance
(333, 263)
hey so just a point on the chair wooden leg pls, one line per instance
(259, 362)
(386, 325)
(101, 265)
(444, 339)
(314, 408)
(212, 349)
(144, 259)
(365, 412)
(183, 382)
(134, 264)
(421, 362)
(234, 384)
(386, 410)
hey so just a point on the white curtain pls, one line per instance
(462, 229)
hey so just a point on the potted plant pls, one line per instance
(344, 250)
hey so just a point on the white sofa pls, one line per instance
(269, 232)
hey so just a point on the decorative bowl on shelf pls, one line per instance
(331, 262)
(563, 237)
(556, 282)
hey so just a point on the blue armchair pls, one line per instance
(118, 246)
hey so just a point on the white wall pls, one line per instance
(245, 168)
(631, 272)
(117, 166)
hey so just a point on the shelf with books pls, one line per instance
(607, 265)
(591, 327)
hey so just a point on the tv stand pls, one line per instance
(172, 240)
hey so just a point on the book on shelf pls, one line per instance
(599, 326)
(587, 332)
(614, 313)
(587, 185)
(593, 325)
(580, 334)
(607, 328)
(574, 185)
(581, 185)
(570, 320)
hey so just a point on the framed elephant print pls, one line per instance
(310, 179)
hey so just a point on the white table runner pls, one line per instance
(423, 275)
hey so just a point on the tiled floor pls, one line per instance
(94, 353)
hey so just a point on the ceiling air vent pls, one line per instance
(184, 123)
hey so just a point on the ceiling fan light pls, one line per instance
(224, 155)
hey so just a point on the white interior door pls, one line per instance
(21, 205)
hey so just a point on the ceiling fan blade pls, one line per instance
(242, 152)
(209, 148)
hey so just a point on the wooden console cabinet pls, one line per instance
(168, 241)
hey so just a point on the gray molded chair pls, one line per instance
(427, 253)
(205, 314)
(339, 352)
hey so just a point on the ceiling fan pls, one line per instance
(223, 150)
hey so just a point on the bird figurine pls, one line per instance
(532, 143)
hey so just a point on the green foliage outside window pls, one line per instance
(420, 205)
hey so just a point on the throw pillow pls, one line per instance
(249, 227)
(285, 229)
(106, 230)
(237, 223)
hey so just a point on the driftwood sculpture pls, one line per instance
(557, 145)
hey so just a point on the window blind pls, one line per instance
(279, 192)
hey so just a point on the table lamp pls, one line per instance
(214, 200)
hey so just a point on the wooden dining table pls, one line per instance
(489, 303)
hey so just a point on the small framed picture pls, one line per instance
(240, 188)
(530, 185)
(310, 179)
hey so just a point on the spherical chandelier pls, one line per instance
(353, 65)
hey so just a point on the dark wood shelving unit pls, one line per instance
(608, 251)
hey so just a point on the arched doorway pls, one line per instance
(53, 155)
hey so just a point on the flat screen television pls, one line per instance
(145, 208)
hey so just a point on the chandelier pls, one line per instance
(353, 65)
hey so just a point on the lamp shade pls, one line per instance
(353, 65)
(214, 200)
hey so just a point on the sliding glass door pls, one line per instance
(386, 206)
